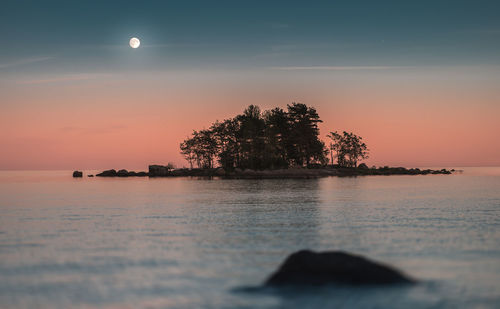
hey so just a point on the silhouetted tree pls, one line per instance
(278, 135)
(207, 147)
(251, 139)
(272, 139)
(224, 134)
(348, 148)
(201, 148)
(337, 148)
(304, 144)
(187, 150)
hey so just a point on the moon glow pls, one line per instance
(134, 42)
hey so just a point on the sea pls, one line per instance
(210, 243)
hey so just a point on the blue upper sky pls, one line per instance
(90, 35)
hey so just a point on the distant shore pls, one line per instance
(164, 171)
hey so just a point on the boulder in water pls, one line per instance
(77, 174)
(318, 268)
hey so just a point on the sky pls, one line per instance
(418, 80)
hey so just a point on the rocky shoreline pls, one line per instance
(362, 170)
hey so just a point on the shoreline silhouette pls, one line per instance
(164, 171)
(275, 143)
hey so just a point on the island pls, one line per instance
(275, 143)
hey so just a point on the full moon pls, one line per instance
(134, 42)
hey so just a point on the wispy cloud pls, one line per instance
(339, 68)
(65, 78)
(24, 61)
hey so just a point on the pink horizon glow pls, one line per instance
(130, 123)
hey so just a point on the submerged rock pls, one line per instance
(77, 174)
(311, 268)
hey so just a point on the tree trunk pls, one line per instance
(331, 153)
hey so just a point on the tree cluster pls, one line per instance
(259, 140)
(348, 148)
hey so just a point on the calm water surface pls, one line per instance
(189, 243)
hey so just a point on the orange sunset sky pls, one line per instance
(407, 116)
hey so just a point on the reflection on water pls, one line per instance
(185, 243)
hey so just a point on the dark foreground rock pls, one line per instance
(333, 267)
(77, 174)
